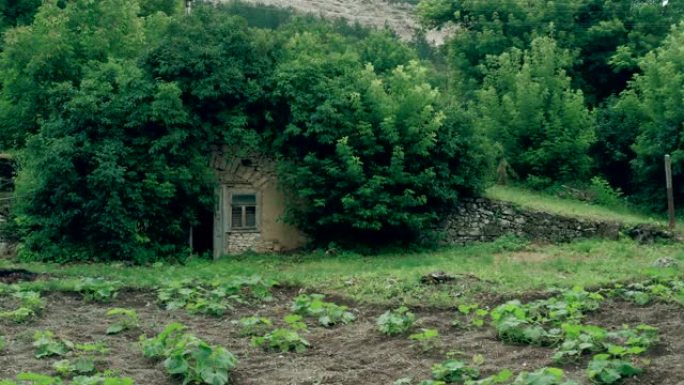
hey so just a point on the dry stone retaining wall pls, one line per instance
(485, 220)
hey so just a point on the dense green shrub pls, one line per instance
(658, 94)
(370, 156)
(528, 106)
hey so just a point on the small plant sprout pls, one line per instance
(78, 366)
(124, 319)
(285, 339)
(427, 339)
(394, 322)
(475, 316)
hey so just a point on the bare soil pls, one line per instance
(351, 355)
(10, 276)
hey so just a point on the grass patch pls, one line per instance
(569, 207)
(499, 268)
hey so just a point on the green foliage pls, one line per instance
(3, 343)
(397, 321)
(124, 319)
(97, 289)
(254, 326)
(47, 345)
(328, 313)
(608, 36)
(41, 379)
(427, 339)
(81, 365)
(498, 378)
(657, 95)
(370, 157)
(285, 339)
(543, 376)
(475, 316)
(190, 358)
(605, 370)
(30, 305)
(214, 298)
(529, 107)
(454, 371)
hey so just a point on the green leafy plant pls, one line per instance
(427, 339)
(190, 358)
(579, 340)
(80, 365)
(603, 369)
(454, 371)
(498, 378)
(47, 345)
(254, 326)
(285, 339)
(3, 343)
(124, 319)
(42, 379)
(97, 289)
(328, 313)
(30, 305)
(543, 376)
(397, 321)
(474, 314)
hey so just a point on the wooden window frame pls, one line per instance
(257, 212)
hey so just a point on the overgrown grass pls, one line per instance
(570, 207)
(506, 267)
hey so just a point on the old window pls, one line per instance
(243, 211)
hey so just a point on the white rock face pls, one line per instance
(398, 16)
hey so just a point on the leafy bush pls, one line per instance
(30, 305)
(605, 370)
(215, 298)
(285, 339)
(47, 345)
(81, 365)
(527, 105)
(543, 376)
(254, 326)
(41, 379)
(125, 319)
(454, 371)
(394, 322)
(97, 289)
(190, 358)
(370, 157)
(328, 313)
(426, 339)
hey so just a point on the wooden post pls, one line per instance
(670, 192)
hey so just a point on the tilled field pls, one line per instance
(351, 354)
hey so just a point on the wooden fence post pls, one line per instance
(670, 192)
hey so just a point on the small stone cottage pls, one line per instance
(249, 209)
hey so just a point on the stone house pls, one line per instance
(249, 207)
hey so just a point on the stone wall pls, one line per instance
(240, 242)
(485, 220)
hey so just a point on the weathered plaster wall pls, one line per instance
(485, 220)
(255, 173)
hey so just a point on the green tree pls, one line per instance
(609, 36)
(54, 50)
(111, 175)
(659, 97)
(369, 156)
(528, 106)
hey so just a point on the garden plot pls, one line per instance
(350, 350)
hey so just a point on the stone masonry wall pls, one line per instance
(238, 242)
(485, 220)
